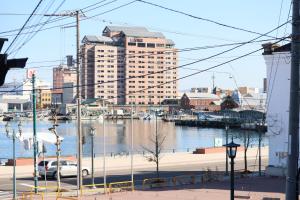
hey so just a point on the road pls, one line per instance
(25, 183)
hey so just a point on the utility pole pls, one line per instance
(226, 148)
(58, 150)
(79, 161)
(293, 134)
(79, 133)
(104, 150)
(131, 148)
(14, 170)
(34, 135)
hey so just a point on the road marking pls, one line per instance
(5, 195)
(26, 185)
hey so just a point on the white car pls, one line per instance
(67, 168)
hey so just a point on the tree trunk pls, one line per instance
(157, 169)
(245, 159)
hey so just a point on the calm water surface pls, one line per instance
(118, 137)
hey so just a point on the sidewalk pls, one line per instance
(140, 162)
(254, 188)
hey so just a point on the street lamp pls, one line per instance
(226, 130)
(58, 143)
(13, 136)
(231, 152)
(92, 134)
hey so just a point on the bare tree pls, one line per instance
(156, 147)
(247, 138)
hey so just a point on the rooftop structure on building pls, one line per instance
(123, 66)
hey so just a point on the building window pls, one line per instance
(141, 45)
(160, 45)
(131, 44)
(150, 45)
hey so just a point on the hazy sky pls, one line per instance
(53, 44)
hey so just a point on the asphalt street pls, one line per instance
(26, 183)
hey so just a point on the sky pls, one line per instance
(47, 47)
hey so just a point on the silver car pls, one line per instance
(67, 168)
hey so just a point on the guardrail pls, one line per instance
(43, 191)
(93, 188)
(30, 195)
(121, 186)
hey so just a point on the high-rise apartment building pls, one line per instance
(129, 64)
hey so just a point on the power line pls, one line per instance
(189, 75)
(39, 3)
(50, 21)
(191, 63)
(160, 71)
(269, 92)
(187, 49)
(193, 74)
(203, 19)
(39, 29)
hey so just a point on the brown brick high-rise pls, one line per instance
(129, 52)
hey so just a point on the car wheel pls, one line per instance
(55, 175)
(85, 172)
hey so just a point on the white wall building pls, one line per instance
(277, 59)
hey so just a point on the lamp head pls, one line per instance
(92, 132)
(20, 126)
(7, 127)
(231, 149)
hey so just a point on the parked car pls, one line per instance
(67, 168)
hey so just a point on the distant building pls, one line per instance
(18, 96)
(248, 90)
(127, 54)
(277, 116)
(200, 101)
(43, 99)
(229, 103)
(61, 75)
(254, 102)
(201, 90)
(12, 88)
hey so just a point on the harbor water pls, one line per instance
(118, 137)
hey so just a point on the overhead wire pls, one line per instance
(203, 19)
(204, 70)
(270, 85)
(39, 29)
(28, 19)
(59, 18)
(187, 49)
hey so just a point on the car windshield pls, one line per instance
(63, 162)
(43, 163)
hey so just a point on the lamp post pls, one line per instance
(58, 142)
(92, 134)
(226, 130)
(7, 129)
(231, 152)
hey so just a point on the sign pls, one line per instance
(218, 142)
(30, 72)
(135, 40)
